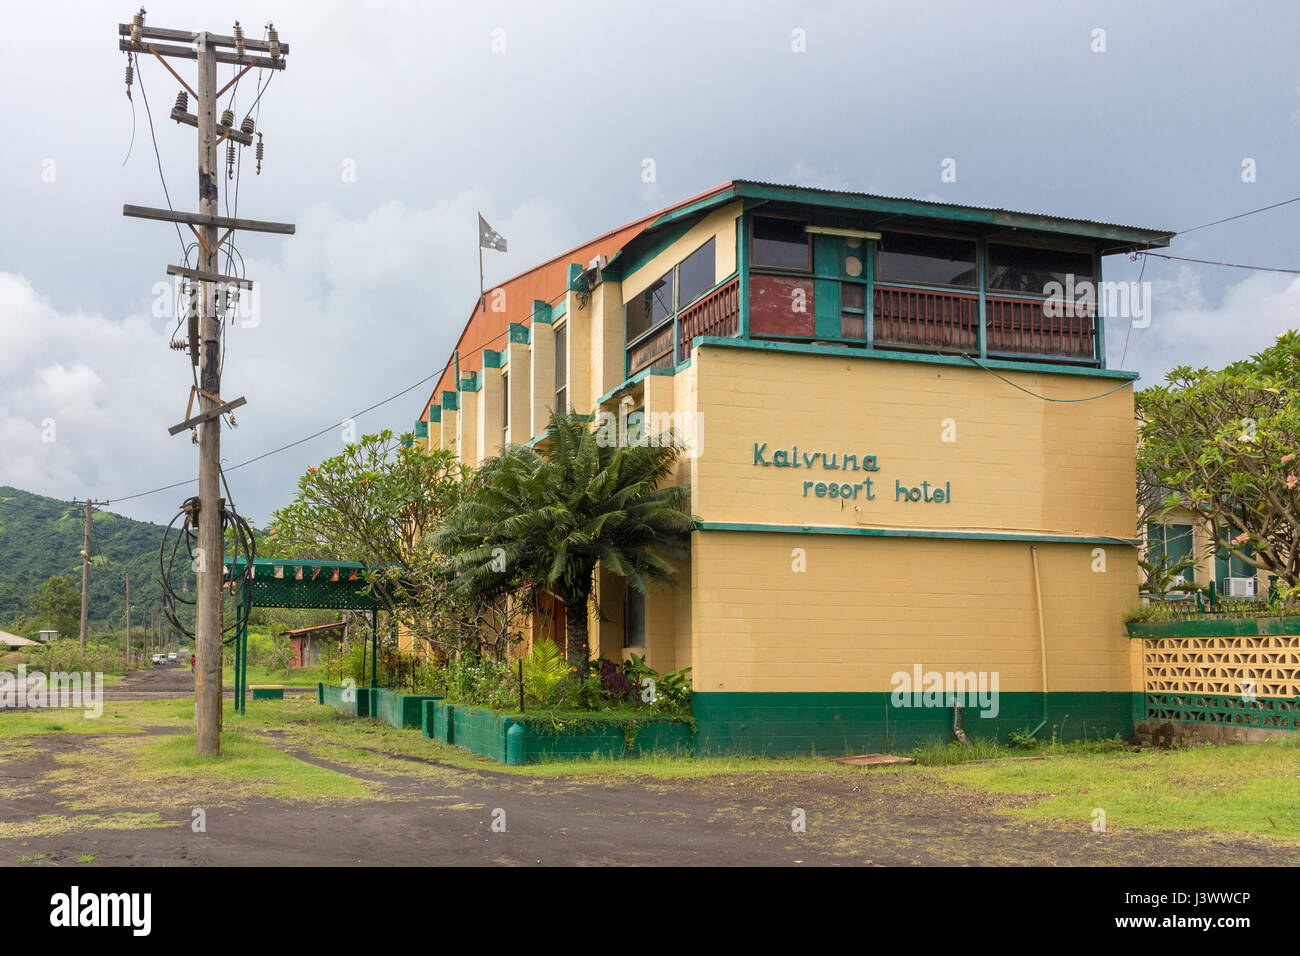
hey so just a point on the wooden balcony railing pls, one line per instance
(655, 350)
(1020, 326)
(918, 318)
(717, 314)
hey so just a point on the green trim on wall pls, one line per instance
(451, 401)
(469, 382)
(560, 309)
(519, 333)
(541, 312)
(421, 428)
(1269, 713)
(1216, 627)
(843, 724)
(435, 413)
(893, 356)
(491, 359)
(1033, 536)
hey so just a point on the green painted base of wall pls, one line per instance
(840, 724)
(1216, 627)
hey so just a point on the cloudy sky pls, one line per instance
(396, 122)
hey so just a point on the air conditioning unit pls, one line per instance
(1239, 587)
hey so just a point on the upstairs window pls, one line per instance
(696, 273)
(652, 306)
(926, 260)
(1028, 270)
(633, 618)
(780, 244)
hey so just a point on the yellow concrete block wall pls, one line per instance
(467, 428)
(541, 378)
(578, 354)
(1014, 461)
(490, 430)
(519, 365)
(451, 432)
(864, 608)
(607, 332)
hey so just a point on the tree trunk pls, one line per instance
(575, 629)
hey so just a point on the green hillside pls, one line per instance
(41, 537)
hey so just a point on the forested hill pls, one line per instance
(41, 537)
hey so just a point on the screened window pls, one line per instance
(853, 311)
(926, 260)
(695, 273)
(1028, 270)
(1173, 542)
(634, 618)
(562, 369)
(651, 307)
(781, 244)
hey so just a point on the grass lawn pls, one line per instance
(1243, 789)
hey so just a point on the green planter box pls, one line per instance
(267, 693)
(398, 710)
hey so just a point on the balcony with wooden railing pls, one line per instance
(907, 318)
(716, 314)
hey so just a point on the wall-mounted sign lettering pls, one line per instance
(832, 486)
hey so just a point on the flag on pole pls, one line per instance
(489, 238)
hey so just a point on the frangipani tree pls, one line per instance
(1226, 445)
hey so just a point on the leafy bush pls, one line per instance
(545, 673)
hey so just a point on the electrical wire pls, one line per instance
(1216, 262)
(1242, 215)
(1046, 398)
(158, 156)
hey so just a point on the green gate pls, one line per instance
(301, 585)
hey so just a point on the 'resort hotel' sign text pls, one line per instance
(828, 473)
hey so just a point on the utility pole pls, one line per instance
(85, 568)
(204, 335)
(128, 618)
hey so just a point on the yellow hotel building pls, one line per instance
(913, 478)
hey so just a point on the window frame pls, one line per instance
(562, 385)
(757, 266)
(878, 279)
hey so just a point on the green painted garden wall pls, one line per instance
(485, 732)
(840, 724)
(332, 695)
(399, 710)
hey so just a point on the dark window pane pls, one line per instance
(634, 624)
(696, 273)
(926, 260)
(650, 307)
(1027, 270)
(780, 244)
(852, 296)
(561, 357)
(505, 400)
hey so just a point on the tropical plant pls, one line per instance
(545, 672)
(545, 516)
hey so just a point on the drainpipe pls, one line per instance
(1042, 634)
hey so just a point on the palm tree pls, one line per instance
(548, 514)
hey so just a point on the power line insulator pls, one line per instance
(227, 117)
(130, 75)
(183, 101)
(260, 151)
(178, 345)
(230, 160)
(246, 127)
(273, 39)
(137, 26)
(239, 39)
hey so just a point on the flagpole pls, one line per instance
(482, 300)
